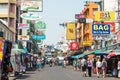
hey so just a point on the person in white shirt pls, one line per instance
(98, 67)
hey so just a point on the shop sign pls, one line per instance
(30, 16)
(70, 31)
(100, 29)
(112, 25)
(32, 5)
(40, 25)
(38, 37)
(74, 46)
(78, 16)
(87, 43)
(23, 26)
(82, 20)
(105, 16)
(23, 37)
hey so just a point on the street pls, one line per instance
(58, 73)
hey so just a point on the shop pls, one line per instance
(5, 54)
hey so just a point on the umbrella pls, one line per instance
(111, 54)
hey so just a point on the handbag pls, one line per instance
(9, 68)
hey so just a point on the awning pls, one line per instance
(78, 56)
(97, 52)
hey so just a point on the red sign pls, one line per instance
(112, 25)
(74, 46)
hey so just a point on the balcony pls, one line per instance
(3, 15)
(7, 1)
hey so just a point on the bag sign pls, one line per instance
(100, 29)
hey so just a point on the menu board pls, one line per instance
(1, 54)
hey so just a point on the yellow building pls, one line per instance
(84, 35)
(8, 14)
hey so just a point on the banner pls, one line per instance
(74, 46)
(100, 29)
(1, 51)
(70, 31)
(105, 16)
(32, 5)
(23, 26)
(23, 37)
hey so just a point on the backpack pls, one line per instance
(85, 63)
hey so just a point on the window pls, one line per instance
(3, 8)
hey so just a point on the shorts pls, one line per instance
(38, 65)
(84, 68)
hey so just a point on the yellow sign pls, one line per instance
(87, 43)
(70, 31)
(1, 49)
(23, 37)
(105, 16)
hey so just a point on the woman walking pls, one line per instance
(89, 65)
(104, 67)
(98, 67)
(39, 64)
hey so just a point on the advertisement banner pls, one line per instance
(23, 37)
(105, 16)
(74, 46)
(23, 26)
(112, 25)
(70, 31)
(32, 5)
(100, 29)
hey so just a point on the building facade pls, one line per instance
(8, 14)
(85, 29)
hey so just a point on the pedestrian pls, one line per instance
(75, 64)
(118, 67)
(78, 64)
(98, 67)
(89, 66)
(104, 67)
(84, 66)
(39, 64)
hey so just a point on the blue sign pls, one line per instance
(100, 29)
(38, 37)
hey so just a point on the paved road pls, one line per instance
(58, 73)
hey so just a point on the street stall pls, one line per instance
(5, 54)
(112, 59)
(17, 60)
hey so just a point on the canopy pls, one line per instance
(97, 52)
(78, 56)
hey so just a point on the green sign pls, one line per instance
(40, 25)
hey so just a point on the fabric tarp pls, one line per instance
(78, 56)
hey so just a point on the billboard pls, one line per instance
(100, 29)
(32, 5)
(104, 16)
(74, 46)
(70, 31)
(23, 26)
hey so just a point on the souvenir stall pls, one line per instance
(17, 60)
(5, 54)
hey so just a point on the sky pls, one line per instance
(56, 12)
